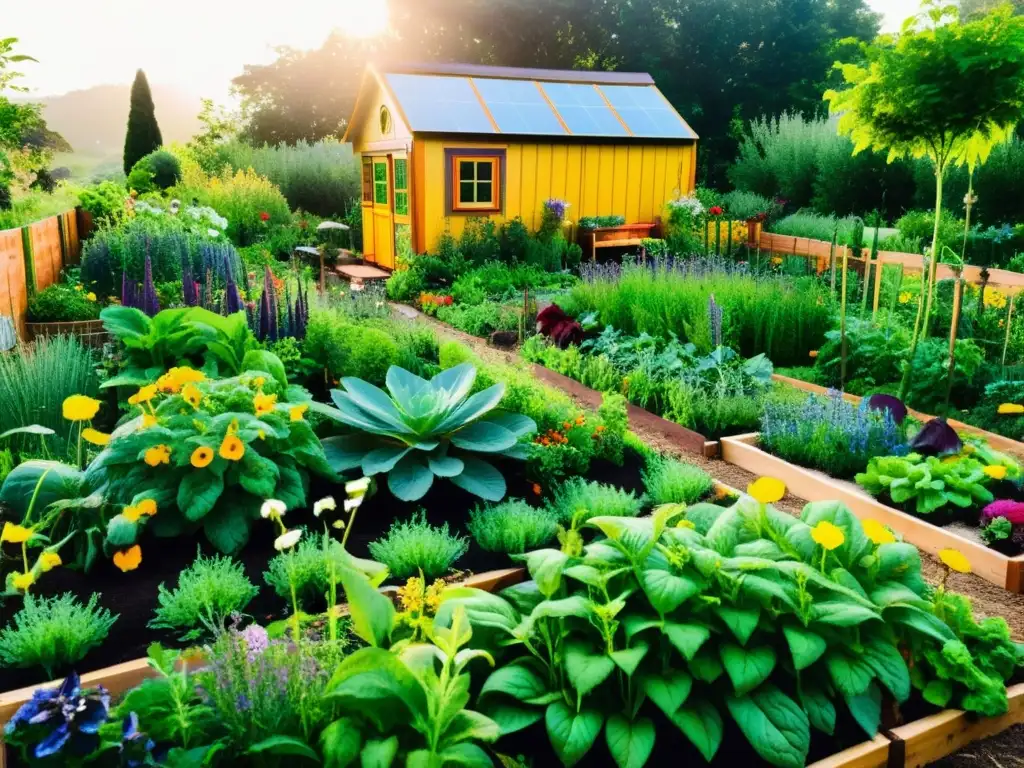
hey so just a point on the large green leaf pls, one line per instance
(776, 727)
(666, 591)
(890, 668)
(472, 408)
(805, 645)
(850, 672)
(226, 527)
(383, 458)
(515, 680)
(374, 403)
(572, 733)
(56, 482)
(199, 492)
(340, 742)
(630, 742)
(585, 668)
(746, 667)
(511, 716)
(346, 452)
(545, 567)
(821, 712)
(283, 745)
(265, 362)
(377, 685)
(481, 479)
(379, 753)
(410, 479)
(668, 691)
(484, 436)
(705, 665)
(702, 725)
(841, 613)
(466, 755)
(373, 614)
(129, 325)
(628, 659)
(687, 638)
(454, 384)
(867, 709)
(467, 725)
(741, 621)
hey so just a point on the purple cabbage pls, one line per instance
(936, 438)
(890, 404)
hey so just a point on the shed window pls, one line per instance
(476, 184)
(367, 181)
(401, 186)
(380, 182)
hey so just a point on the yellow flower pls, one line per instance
(15, 534)
(1010, 409)
(296, 412)
(191, 394)
(995, 471)
(955, 560)
(433, 597)
(131, 514)
(411, 596)
(128, 559)
(148, 420)
(144, 395)
(157, 455)
(258, 382)
(23, 581)
(767, 490)
(232, 448)
(80, 408)
(95, 437)
(828, 535)
(176, 378)
(146, 507)
(79, 288)
(685, 524)
(878, 533)
(202, 457)
(905, 297)
(90, 296)
(264, 404)
(49, 560)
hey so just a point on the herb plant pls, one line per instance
(512, 527)
(209, 591)
(579, 499)
(54, 632)
(670, 481)
(414, 545)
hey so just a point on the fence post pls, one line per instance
(30, 262)
(879, 277)
(1009, 319)
(832, 262)
(842, 324)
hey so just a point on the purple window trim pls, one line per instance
(450, 153)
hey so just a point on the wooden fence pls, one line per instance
(32, 257)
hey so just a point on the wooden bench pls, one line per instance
(624, 236)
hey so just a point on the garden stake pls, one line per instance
(954, 325)
(905, 382)
(718, 237)
(842, 324)
(1006, 340)
(728, 243)
(832, 259)
(872, 258)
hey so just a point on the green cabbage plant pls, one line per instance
(426, 429)
(929, 484)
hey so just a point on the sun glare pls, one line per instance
(314, 20)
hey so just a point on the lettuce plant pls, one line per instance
(420, 429)
(927, 483)
(752, 620)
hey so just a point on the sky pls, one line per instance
(196, 45)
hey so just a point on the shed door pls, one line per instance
(383, 215)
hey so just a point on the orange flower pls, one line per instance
(232, 448)
(813, 353)
(191, 394)
(264, 404)
(146, 507)
(202, 457)
(297, 412)
(536, 489)
(157, 455)
(128, 559)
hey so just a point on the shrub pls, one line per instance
(670, 481)
(740, 205)
(919, 227)
(162, 168)
(371, 353)
(36, 205)
(589, 498)
(62, 303)
(414, 546)
(54, 632)
(805, 223)
(308, 567)
(252, 204)
(104, 202)
(481, 320)
(512, 527)
(209, 591)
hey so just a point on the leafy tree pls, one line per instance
(143, 134)
(941, 89)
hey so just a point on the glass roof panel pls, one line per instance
(646, 113)
(440, 104)
(518, 106)
(584, 110)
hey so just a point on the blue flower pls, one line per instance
(73, 717)
(134, 742)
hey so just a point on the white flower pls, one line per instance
(358, 487)
(273, 508)
(212, 232)
(351, 504)
(287, 540)
(326, 504)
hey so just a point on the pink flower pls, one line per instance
(1011, 510)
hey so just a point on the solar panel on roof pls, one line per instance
(441, 104)
(583, 109)
(646, 113)
(518, 106)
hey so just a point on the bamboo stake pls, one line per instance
(954, 325)
(832, 260)
(879, 277)
(842, 324)
(1009, 319)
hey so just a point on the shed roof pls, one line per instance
(470, 99)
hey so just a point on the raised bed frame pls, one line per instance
(912, 745)
(994, 567)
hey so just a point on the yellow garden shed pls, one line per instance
(442, 143)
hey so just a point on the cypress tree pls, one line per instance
(143, 132)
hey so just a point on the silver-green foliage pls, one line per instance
(209, 591)
(512, 526)
(670, 481)
(414, 545)
(420, 429)
(579, 499)
(54, 632)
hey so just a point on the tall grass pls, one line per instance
(782, 317)
(34, 381)
(35, 206)
(815, 226)
(322, 178)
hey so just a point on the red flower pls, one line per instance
(716, 210)
(264, 216)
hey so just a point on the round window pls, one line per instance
(385, 121)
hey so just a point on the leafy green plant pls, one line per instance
(209, 591)
(927, 483)
(412, 546)
(105, 202)
(421, 429)
(579, 499)
(670, 481)
(62, 303)
(512, 527)
(54, 632)
(595, 222)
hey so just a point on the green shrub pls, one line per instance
(371, 353)
(405, 285)
(244, 198)
(481, 320)
(740, 205)
(919, 227)
(512, 527)
(209, 591)
(104, 202)
(589, 498)
(806, 223)
(54, 632)
(308, 567)
(62, 303)
(414, 546)
(163, 168)
(37, 205)
(670, 481)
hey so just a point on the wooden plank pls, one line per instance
(13, 285)
(940, 735)
(47, 255)
(867, 754)
(811, 485)
(629, 241)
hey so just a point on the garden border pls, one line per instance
(809, 484)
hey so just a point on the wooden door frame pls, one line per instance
(379, 210)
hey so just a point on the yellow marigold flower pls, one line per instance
(128, 559)
(264, 404)
(878, 533)
(144, 395)
(23, 581)
(1013, 409)
(955, 560)
(15, 534)
(191, 394)
(296, 412)
(148, 420)
(146, 507)
(157, 455)
(767, 490)
(95, 437)
(49, 560)
(80, 408)
(232, 448)
(201, 457)
(176, 378)
(131, 514)
(995, 471)
(828, 535)
(90, 296)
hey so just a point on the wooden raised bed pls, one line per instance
(994, 567)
